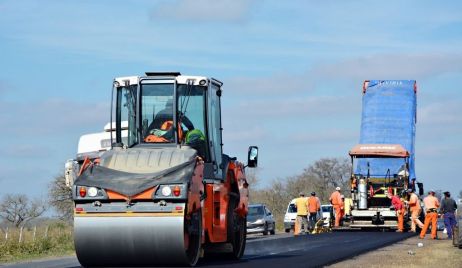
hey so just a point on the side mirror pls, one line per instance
(252, 157)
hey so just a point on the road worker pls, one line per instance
(431, 206)
(347, 204)
(399, 209)
(314, 206)
(301, 203)
(415, 208)
(337, 202)
(447, 209)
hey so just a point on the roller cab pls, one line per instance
(164, 193)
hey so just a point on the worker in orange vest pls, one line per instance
(337, 202)
(415, 208)
(399, 209)
(314, 206)
(431, 206)
(301, 203)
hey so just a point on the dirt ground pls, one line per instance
(434, 253)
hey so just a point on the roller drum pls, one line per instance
(130, 240)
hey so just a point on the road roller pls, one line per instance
(164, 193)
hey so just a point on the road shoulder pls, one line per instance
(407, 253)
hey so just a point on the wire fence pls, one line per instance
(41, 240)
(33, 233)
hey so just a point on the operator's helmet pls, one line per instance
(194, 136)
(196, 139)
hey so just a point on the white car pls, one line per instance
(326, 213)
(290, 216)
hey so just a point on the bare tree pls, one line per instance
(275, 197)
(61, 198)
(328, 173)
(18, 210)
(439, 194)
(251, 175)
(321, 177)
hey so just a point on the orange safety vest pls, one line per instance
(336, 199)
(313, 204)
(167, 125)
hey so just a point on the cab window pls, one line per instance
(125, 115)
(156, 112)
(215, 128)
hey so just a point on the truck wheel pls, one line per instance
(193, 237)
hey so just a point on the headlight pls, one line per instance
(92, 192)
(166, 191)
(171, 191)
(259, 221)
(88, 193)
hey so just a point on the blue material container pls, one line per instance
(388, 117)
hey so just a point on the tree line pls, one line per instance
(322, 176)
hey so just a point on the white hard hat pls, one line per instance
(337, 189)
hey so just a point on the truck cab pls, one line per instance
(370, 187)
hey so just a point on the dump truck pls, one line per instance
(383, 161)
(164, 193)
(91, 146)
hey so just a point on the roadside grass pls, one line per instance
(37, 242)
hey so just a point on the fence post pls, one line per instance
(35, 231)
(46, 232)
(6, 234)
(20, 234)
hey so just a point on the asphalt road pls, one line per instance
(279, 250)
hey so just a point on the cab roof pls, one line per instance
(378, 150)
(180, 79)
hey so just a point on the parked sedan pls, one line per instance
(260, 220)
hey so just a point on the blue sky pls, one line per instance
(292, 73)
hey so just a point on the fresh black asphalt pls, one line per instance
(280, 251)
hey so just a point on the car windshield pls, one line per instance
(326, 208)
(256, 211)
(291, 209)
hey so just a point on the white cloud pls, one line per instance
(391, 66)
(204, 10)
(445, 112)
(327, 136)
(22, 151)
(51, 117)
(301, 106)
(277, 83)
(236, 135)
